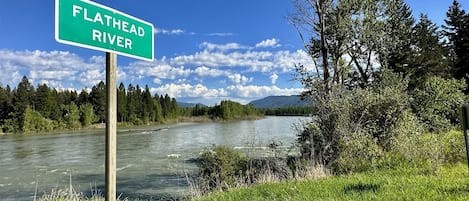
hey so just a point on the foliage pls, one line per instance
(34, 122)
(221, 168)
(429, 56)
(66, 109)
(457, 31)
(359, 153)
(437, 103)
(86, 114)
(371, 113)
(288, 111)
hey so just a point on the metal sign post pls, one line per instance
(111, 121)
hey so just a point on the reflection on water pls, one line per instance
(151, 162)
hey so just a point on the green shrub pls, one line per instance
(454, 148)
(360, 153)
(438, 102)
(221, 168)
(345, 118)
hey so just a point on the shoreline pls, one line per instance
(128, 126)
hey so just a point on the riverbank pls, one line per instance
(449, 183)
(129, 125)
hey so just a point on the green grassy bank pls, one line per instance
(449, 183)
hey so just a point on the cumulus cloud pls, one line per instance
(52, 67)
(268, 43)
(187, 90)
(254, 61)
(240, 93)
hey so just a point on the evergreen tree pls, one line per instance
(98, 99)
(399, 33)
(83, 97)
(44, 102)
(21, 100)
(429, 54)
(55, 113)
(457, 31)
(121, 103)
(5, 104)
(131, 101)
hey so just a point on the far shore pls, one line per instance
(126, 125)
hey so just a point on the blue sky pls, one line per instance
(205, 50)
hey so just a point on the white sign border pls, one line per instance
(56, 35)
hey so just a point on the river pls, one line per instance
(151, 161)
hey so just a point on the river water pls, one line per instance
(151, 162)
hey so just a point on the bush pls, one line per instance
(438, 102)
(221, 168)
(359, 153)
(346, 118)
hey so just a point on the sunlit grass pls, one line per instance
(449, 183)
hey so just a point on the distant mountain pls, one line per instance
(279, 101)
(182, 104)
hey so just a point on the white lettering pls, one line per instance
(133, 30)
(98, 18)
(112, 38)
(108, 20)
(76, 10)
(141, 32)
(116, 23)
(120, 41)
(85, 16)
(128, 43)
(124, 26)
(96, 35)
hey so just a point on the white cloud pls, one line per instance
(157, 81)
(187, 90)
(157, 69)
(169, 32)
(51, 67)
(239, 79)
(222, 47)
(254, 61)
(204, 71)
(91, 77)
(240, 93)
(268, 43)
(273, 78)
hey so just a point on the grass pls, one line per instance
(449, 183)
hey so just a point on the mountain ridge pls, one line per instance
(280, 101)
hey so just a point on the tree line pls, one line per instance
(33, 109)
(29, 109)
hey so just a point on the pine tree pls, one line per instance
(430, 57)
(131, 101)
(98, 99)
(399, 34)
(21, 100)
(457, 31)
(121, 103)
(43, 100)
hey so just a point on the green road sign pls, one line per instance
(88, 24)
